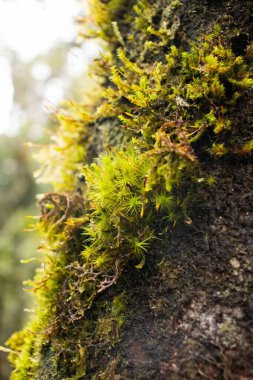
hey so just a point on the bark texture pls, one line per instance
(188, 312)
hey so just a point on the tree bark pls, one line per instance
(189, 309)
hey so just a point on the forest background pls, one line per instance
(37, 70)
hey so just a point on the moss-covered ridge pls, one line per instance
(176, 108)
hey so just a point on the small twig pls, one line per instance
(107, 284)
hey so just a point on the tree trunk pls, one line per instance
(187, 312)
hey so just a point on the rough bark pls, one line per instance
(189, 309)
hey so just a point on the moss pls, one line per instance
(174, 108)
(110, 372)
(193, 92)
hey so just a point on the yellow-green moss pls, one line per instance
(96, 226)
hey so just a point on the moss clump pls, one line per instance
(191, 93)
(176, 107)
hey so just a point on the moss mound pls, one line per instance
(143, 262)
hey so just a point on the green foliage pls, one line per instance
(192, 92)
(105, 19)
(123, 188)
(92, 231)
(25, 351)
(246, 148)
(67, 150)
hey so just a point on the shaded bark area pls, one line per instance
(235, 18)
(190, 311)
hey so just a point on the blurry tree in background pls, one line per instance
(17, 191)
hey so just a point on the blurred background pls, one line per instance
(41, 63)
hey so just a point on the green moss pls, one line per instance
(124, 189)
(192, 93)
(91, 230)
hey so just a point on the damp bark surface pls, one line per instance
(189, 309)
